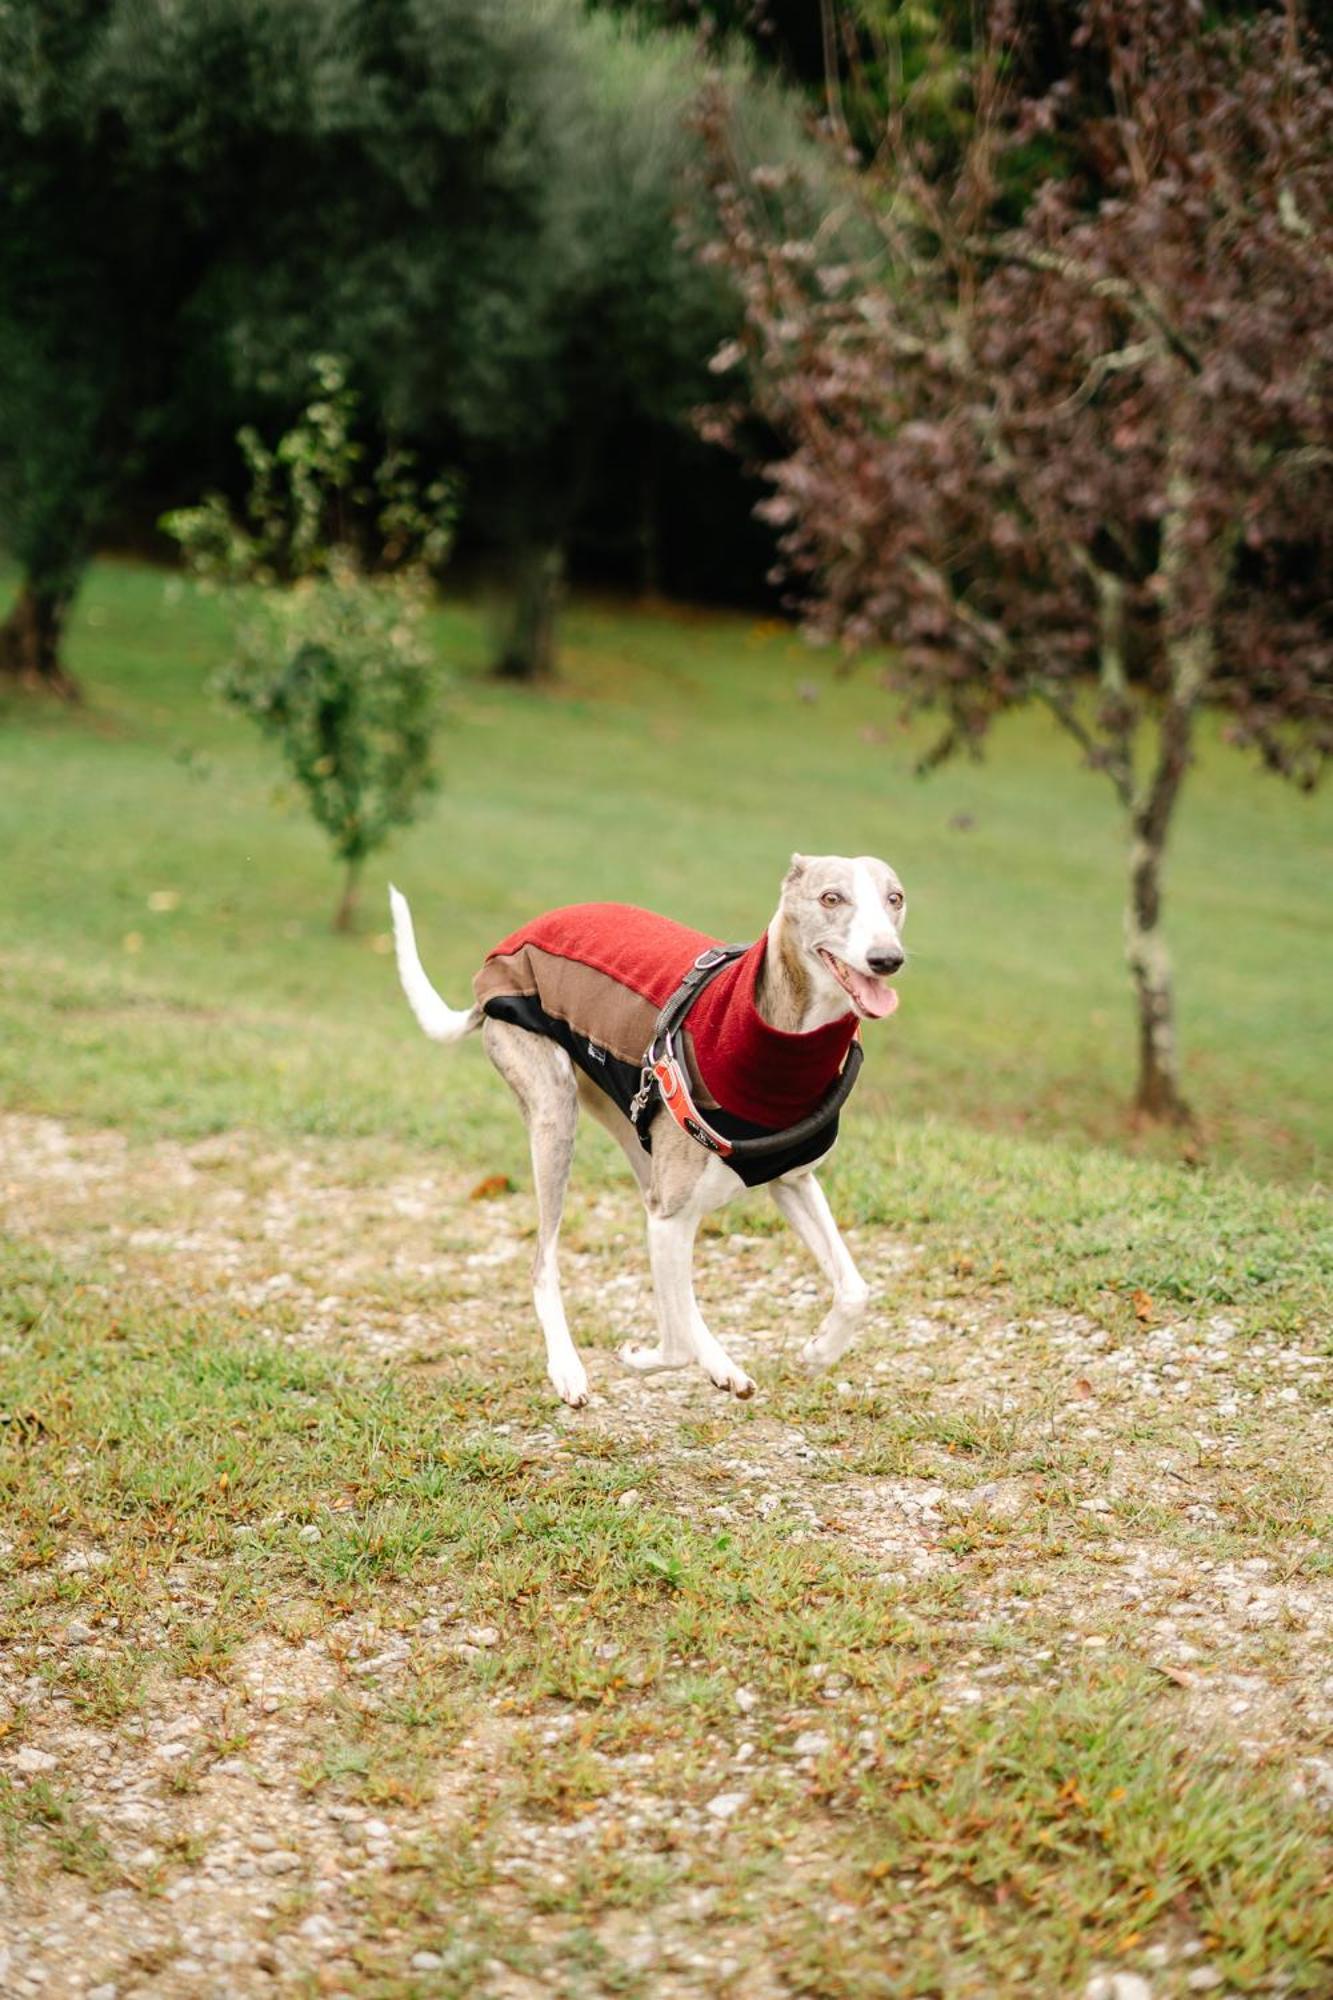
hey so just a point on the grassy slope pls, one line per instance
(996, 1849)
(676, 766)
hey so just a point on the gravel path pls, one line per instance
(234, 1877)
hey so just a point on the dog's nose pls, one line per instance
(884, 961)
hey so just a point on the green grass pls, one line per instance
(676, 765)
(672, 744)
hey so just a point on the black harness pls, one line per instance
(665, 1073)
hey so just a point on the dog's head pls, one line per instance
(844, 919)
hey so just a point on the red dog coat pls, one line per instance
(594, 978)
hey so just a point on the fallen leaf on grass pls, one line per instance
(1082, 1388)
(1143, 1307)
(26, 1424)
(1176, 1675)
(493, 1186)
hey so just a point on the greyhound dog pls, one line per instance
(818, 971)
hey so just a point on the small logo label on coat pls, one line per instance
(595, 1054)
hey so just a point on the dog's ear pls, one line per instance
(795, 872)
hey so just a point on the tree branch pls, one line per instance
(1100, 756)
(1013, 250)
(1106, 364)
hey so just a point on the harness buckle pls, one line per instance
(638, 1104)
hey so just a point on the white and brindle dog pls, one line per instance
(832, 945)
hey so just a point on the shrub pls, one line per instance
(328, 580)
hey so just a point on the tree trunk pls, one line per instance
(1190, 588)
(528, 651)
(1159, 1094)
(30, 640)
(346, 911)
(650, 574)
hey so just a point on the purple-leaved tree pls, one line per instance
(1058, 417)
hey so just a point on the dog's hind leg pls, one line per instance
(541, 1077)
(803, 1203)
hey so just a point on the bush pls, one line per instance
(329, 581)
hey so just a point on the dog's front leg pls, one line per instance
(670, 1253)
(802, 1202)
(682, 1335)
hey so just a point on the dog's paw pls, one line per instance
(648, 1360)
(815, 1356)
(571, 1383)
(719, 1367)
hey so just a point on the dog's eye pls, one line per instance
(831, 899)
(895, 899)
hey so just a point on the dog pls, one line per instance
(573, 1010)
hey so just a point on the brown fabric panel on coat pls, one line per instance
(609, 1014)
(699, 1090)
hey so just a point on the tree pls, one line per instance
(114, 358)
(331, 657)
(512, 285)
(1068, 437)
(474, 201)
(60, 356)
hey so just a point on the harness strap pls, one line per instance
(663, 1068)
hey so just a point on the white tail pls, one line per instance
(440, 1021)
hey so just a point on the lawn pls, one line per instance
(677, 765)
(335, 1658)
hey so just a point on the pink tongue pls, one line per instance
(871, 997)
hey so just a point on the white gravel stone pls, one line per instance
(426, 1961)
(1117, 1986)
(745, 1701)
(318, 1928)
(727, 1804)
(810, 1743)
(32, 1762)
(280, 1862)
(1203, 1979)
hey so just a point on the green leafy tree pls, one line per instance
(63, 354)
(331, 657)
(477, 202)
